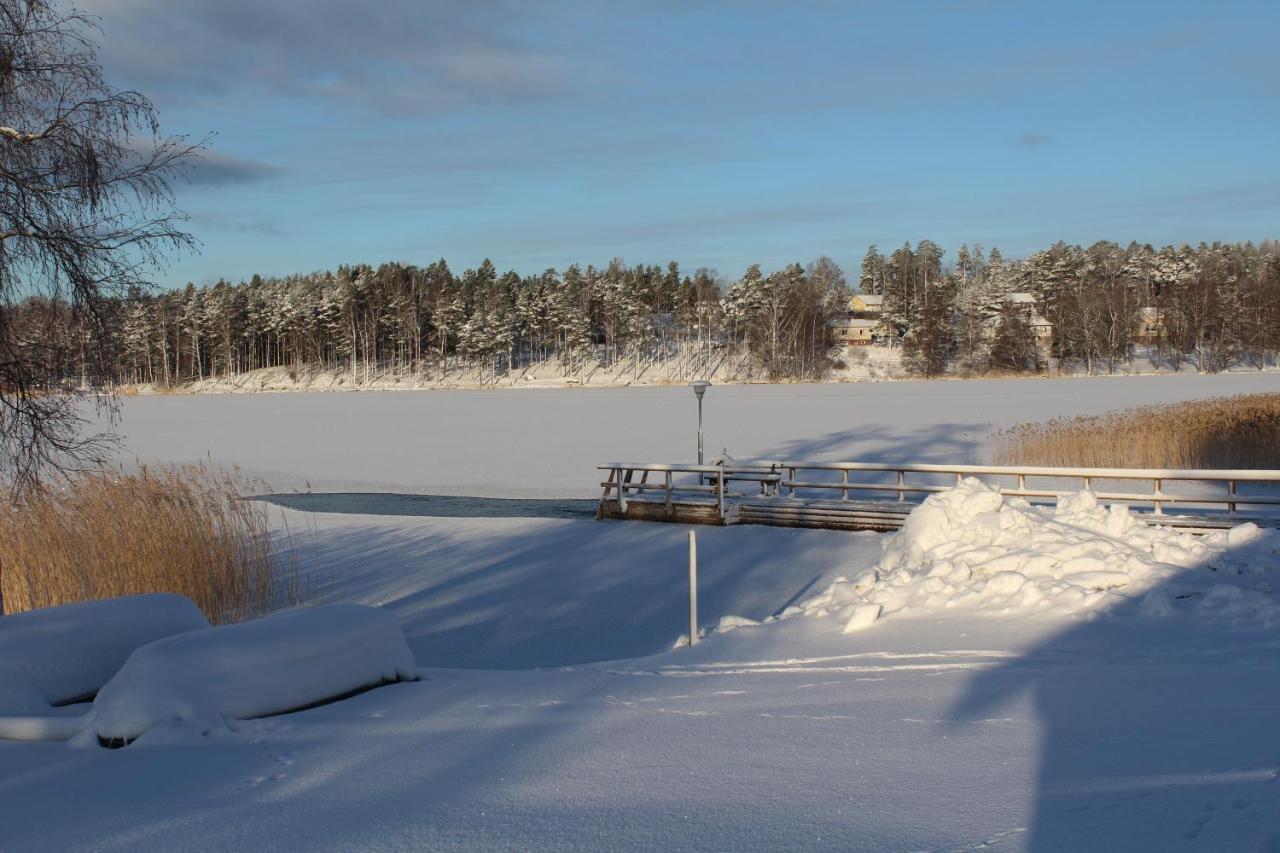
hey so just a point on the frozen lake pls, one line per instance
(526, 443)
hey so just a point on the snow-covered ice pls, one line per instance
(546, 443)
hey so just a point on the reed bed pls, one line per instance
(1224, 432)
(181, 529)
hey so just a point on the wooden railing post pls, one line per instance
(667, 492)
(1157, 494)
(902, 481)
(720, 492)
(1231, 493)
(604, 495)
(844, 491)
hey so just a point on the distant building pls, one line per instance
(1150, 325)
(1041, 328)
(866, 303)
(855, 332)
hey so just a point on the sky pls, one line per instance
(718, 134)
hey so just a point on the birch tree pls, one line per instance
(86, 212)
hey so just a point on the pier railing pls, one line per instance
(1221, 494)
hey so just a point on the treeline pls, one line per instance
(428, 319)
(1083, 309)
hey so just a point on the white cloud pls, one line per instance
(396, 55)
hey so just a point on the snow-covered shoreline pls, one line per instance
(862, 365)
(1115, 727)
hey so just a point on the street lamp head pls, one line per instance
(700, 387)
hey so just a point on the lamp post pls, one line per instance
(699, 388)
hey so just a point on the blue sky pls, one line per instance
(715, 133)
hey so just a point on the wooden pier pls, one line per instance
(879, 496)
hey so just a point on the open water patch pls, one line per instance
(436, 506)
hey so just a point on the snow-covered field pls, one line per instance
(994, 677)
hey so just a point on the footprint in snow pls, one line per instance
(282, 761)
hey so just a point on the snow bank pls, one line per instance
(59, 654)
(972, 548)
(268, 666)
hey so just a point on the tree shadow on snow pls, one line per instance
(1158, 721)
(570, 592)
(960, 444)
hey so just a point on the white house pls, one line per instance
(1150, 325)
(1040, 326)
(855, 332)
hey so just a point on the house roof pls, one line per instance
(869, 298)
(1020, 298)
(856, 324)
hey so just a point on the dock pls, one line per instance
(879, 496)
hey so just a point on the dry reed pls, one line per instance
(1225, 432)
(187, 530)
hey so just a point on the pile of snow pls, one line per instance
(58, 655)
(268, 666)
(972, 548)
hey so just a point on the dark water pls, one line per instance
(439, 506)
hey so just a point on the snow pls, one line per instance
(63, 654)
(523, 592)
(931, 729)
(254, 669)
(1131, 706)
(546, 443)
(972, 548)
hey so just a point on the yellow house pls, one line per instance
(866, 303)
